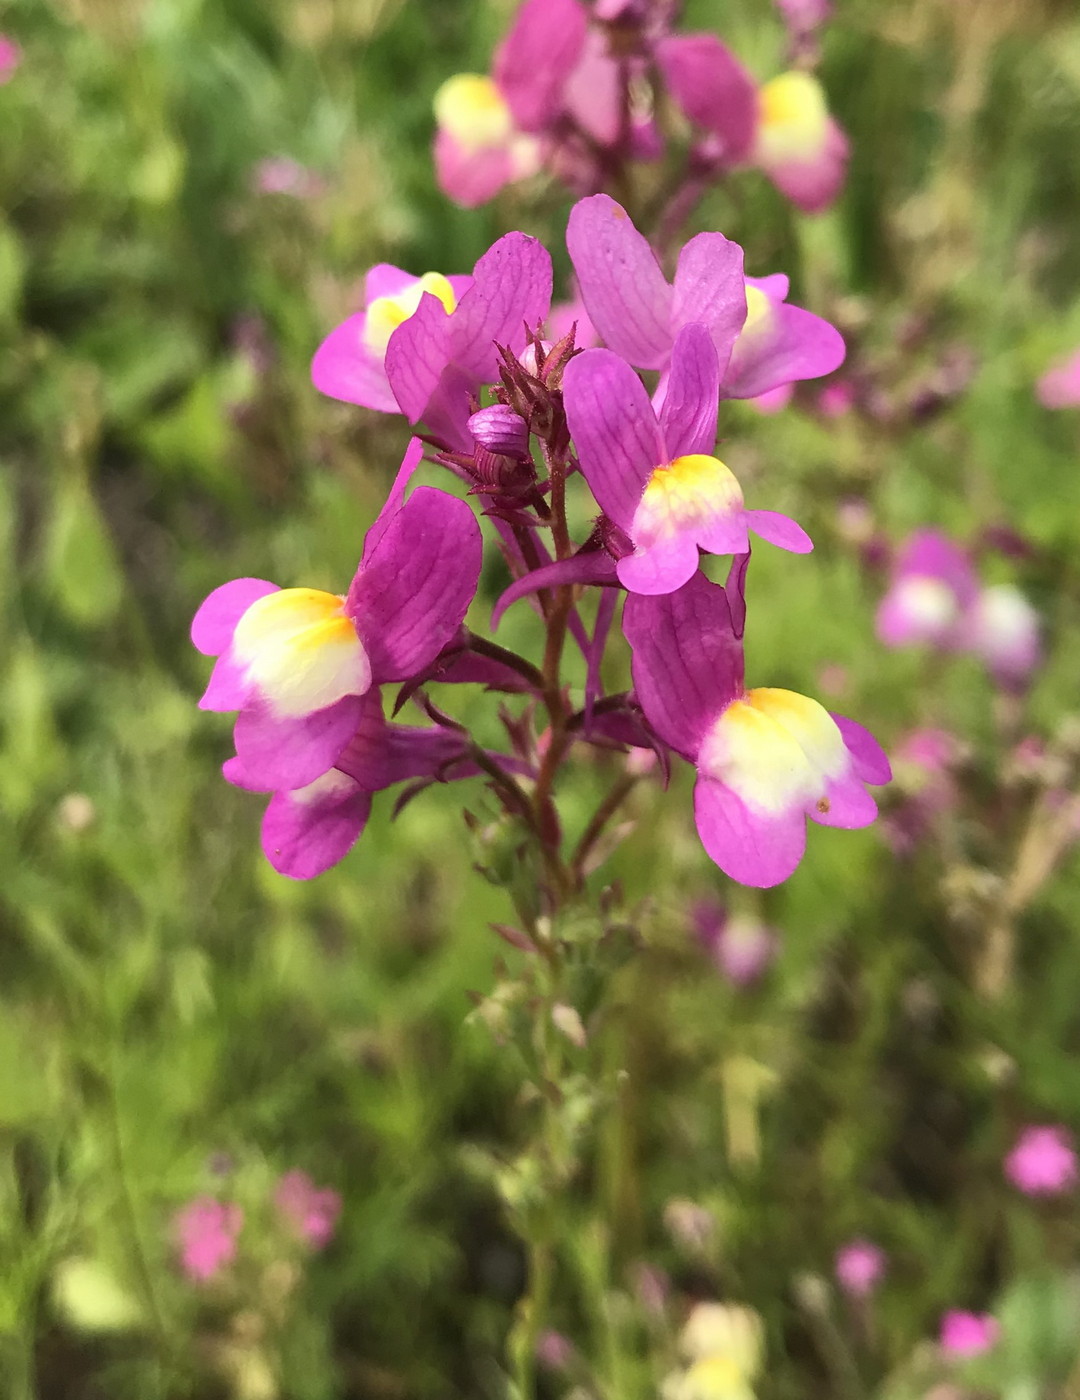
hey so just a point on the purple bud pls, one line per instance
(501, 431)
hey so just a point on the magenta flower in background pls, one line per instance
(1059, 387)
(741, 947)
(804, 16)
(773, 400)
(655, 478)
(965, 1335)
(1043, 1161)
(766, 759)
(10, 58)
(283, 175)
(798, 144)
(836, 398)
(860, 1267)
(931, 587)
(310, 1211)
(1002, 629)
(714, 91)
(761, 342)
(206, 1231)
(296, 662)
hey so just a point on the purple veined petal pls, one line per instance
(411, 593)
(614, 430)
(385, 280)
(802, 346)
(381, 754)
(417, 354)
(449, 408)
(687, 662)
(531, 64)
(625, 292)
(594, 567)
(215, 622)
(713, 89)
(735, 591)
(594, 91)
(727, 534)
(850, 805)
(779, 530)
(511, 290)
(228, 687)
(710, 288)
(344, 368)
(471, 177)
(750, 847)
(414, 454)
(661, 568)
(283, 754)
(692, 395)
(870, 763)
(304, 833)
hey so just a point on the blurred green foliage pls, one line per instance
(176, 1019)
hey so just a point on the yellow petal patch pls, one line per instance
(793, 120)
(760, 320)
(472, 111)
(775, 749)
(385, 314)
(688, 492)
(301, 651)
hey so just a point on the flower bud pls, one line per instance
(500, 430)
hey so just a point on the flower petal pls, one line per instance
(625, 293)
(511, 290)
(344, 368)
(849, 804)
(417, 354)
(471, 177)
(614, 430)
(803, 346)
(411, 593)
(228, 688)
(710, 288)
(687, 662)
(532, 63)
(713, 89)
(779, 530)
(213, 625)
(751, 847)
(692, 397)
(305, 832)
(662, 567)
(414, 454)
(869, 760)
(283, 754)
(380, 754)
(597, 566)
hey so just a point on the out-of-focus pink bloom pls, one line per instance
(565, 314)
(932, 586)
(798, 144)
(10, 57)
(966, 1334)
(804, 16)
(922, 764)
(715, 92)
(311, 1212)
(836, 398)
(1043, 1162)
(206, 1232)
(282, 175)
(1059, 387)
(554, 1351)
(478, 149)
(1002, 629)
(773, 400)
(740, 946)
(860, 1266)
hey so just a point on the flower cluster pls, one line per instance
(582, 91)
(468, 359)
(207, 1230)
(936, 599)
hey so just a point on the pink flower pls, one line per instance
(741, 947)
(1059, 387)
(283, 175)
(206, 1232)
(1042, 1163)
(10, 58)
(859, 1267)
(836, 398)
(312, 1213)
(965, 1334)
